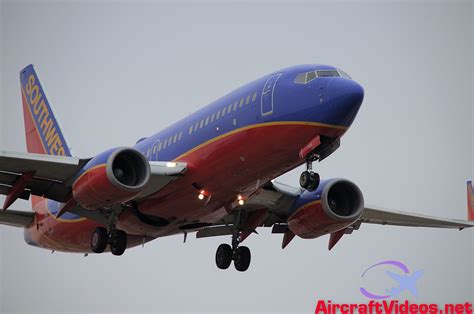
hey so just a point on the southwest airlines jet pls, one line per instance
(211, 173)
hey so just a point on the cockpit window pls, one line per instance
(328, 73)
(344, 74)
(301, 78)
(310, 76)
(307, 77)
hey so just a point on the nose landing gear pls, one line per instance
(309, 180)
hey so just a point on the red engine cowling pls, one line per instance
(335, 205)
(115, 176)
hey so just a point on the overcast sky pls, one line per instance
(117, 71)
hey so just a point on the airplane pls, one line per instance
(405, 282)
(212, 173)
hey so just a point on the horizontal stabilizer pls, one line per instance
(16, 218)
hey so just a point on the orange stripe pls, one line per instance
(254, 126)
(303, 207)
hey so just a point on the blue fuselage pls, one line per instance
(331, 100)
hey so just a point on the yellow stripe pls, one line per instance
(87, 171)
(66, 220)
(254, 126)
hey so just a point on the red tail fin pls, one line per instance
(470, 201)
(43, 135)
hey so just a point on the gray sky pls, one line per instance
(117, 71)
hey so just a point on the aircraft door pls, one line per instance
(267, 95)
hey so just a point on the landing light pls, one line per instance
(240, 199)
(170, 164)
(201, 196)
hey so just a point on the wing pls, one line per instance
(22, 174)
(275, 200)
(25, 174)
(397, 218)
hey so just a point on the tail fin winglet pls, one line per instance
(43, 134)
(470, 201)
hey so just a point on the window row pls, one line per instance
(158, 146)
(222, 112)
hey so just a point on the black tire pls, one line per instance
(119, 244)
(315, 179)
(99, 240)
(305, 179)
(242, 258)
(223, 256)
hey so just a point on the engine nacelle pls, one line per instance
(114, 176)
(335, 205)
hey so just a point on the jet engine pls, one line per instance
(114, 176)
(335, 205)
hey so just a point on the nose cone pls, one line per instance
(345, 98)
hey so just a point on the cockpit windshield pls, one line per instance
(304, 78)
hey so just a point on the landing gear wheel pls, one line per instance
(224, 256)
(242, 258)
(314, 181)
(118, 243)
(99, 240)
(305, 179)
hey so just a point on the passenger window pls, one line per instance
(235, 105)
(180, 135)
(254, 96)
(218, 115)
(196, 126)
(175, 138)
(170, 140)
(207, 120)
(229, 108)
(201, 124)
(165, 143)
(223, 112)
(247, 100)
(190, 129)
(212, 117)
(241, 102)
(159, 146)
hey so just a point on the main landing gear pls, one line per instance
(225, 253)
(116, 238)
(309, 180)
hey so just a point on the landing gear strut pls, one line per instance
(225, 253)
(116, 238)
(309, 180)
